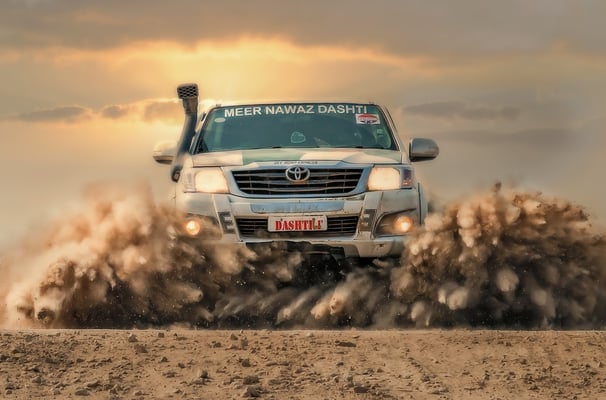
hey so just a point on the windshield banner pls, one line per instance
(283, 109)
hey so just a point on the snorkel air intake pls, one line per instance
(188, 93)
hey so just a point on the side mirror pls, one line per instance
(164, 152)
(422, 149)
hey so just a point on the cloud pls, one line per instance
(162, 110)
(543, 137)
(116, 111)
(459, 109)
(397, 26)
(69, 114)
(535, 138)
(151, 110)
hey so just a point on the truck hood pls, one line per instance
(331, 156)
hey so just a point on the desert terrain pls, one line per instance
(302, 364)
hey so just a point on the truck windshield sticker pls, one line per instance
(283, 109)
(367, 119)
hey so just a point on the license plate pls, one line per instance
(297, 224)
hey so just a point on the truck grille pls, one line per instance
(336, 226)
(322, 181)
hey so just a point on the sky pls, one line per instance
(511, 91)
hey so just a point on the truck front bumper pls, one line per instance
(352, 228)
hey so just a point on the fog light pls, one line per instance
(395, 224)
(403, 224)
(192, 227)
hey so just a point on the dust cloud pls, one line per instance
(503, 258)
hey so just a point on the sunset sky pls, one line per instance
(512, 91)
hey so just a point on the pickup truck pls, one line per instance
(329, 178)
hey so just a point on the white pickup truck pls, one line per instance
(329, 178)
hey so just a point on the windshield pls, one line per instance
(332, 125)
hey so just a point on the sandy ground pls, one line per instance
(187, 364)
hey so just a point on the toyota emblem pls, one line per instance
(297, 174)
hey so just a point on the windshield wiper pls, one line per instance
(358, 146)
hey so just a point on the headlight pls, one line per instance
(395, 224)
(205, 180)
(390, 178)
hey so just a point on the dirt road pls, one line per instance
(187, 364)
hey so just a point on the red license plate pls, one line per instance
(297, 224)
